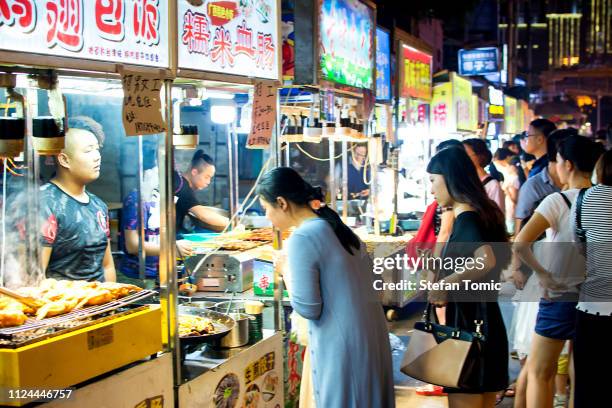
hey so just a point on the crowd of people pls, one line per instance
(538, 211)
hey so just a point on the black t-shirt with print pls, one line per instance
(185, 199)
(77, 232)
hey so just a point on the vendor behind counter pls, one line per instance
(75, 231)
(199, 176)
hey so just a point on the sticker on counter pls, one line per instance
(252, 397)
(100, 337)
(155, 402)
(210, 282)
(270, 386)
(227, 392)
(258, 368)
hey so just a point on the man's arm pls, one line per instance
(131, 244)
(209, 217)
(45, 256)
(109, 265)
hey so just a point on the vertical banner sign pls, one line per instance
(417, 74)
(383, 66)
(238, 37)
(442, 113)
(123, 31)
(264, 116)
(462, 95)
(142, 104)
(510, 115)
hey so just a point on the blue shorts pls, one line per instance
(556, 319)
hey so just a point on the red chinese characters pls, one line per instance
(109, 16)
(196, 34)
(265, 51)
(65, 19)
(222, 48)
(244, 41)
(22, 12)
(146, 21)
(440, 114)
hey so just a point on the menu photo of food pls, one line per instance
(252, 397)
(270, 386)
(227, 392)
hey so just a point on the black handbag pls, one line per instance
(445, 355)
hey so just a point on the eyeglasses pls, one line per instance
(527, 135)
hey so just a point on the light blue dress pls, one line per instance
(348, 335)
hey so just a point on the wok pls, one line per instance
(223, 325)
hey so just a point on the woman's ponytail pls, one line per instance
(287, 183)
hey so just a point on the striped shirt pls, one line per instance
(596, 218)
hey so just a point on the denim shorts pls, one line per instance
(556, 319)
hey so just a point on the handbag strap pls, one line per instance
(580, 231)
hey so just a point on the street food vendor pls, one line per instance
(75, 231)
(198, 177)
(129, 269)
(358, 173)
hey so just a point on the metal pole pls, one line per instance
(287, 154)
(167, 254)
(230, 173)
(332, 173)
(32, 163)
(275, 151)
(141, 222)
(344, 180)
(234, 136)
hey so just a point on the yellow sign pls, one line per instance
(510, 115)
(442, 109)
(462, 97)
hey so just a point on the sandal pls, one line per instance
(431, 390)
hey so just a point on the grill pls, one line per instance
(34, 330)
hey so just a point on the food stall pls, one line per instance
(224, 101)
(331, 94)
(74, 342)
(417, 138)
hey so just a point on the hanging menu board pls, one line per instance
(264, 116)
(123, 31)
(238, 37)
(142, 103)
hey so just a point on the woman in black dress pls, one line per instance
(478, 223)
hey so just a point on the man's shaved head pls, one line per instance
(80, 159)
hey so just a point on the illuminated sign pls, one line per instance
(417, 74)
(479, 61)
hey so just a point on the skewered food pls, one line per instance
(58, 297)
(195, 326)
(265, 235)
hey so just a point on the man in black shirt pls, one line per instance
(75, 231)
(199, 176)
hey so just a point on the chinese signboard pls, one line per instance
(496, 104)
(442, 110)
(462, 96)
(142, 104)
(479, 61)
(383, 66)
(346, 36)
(264, 116)
(238, 37)
(417, 74)
(123, 31)
(510, 115)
